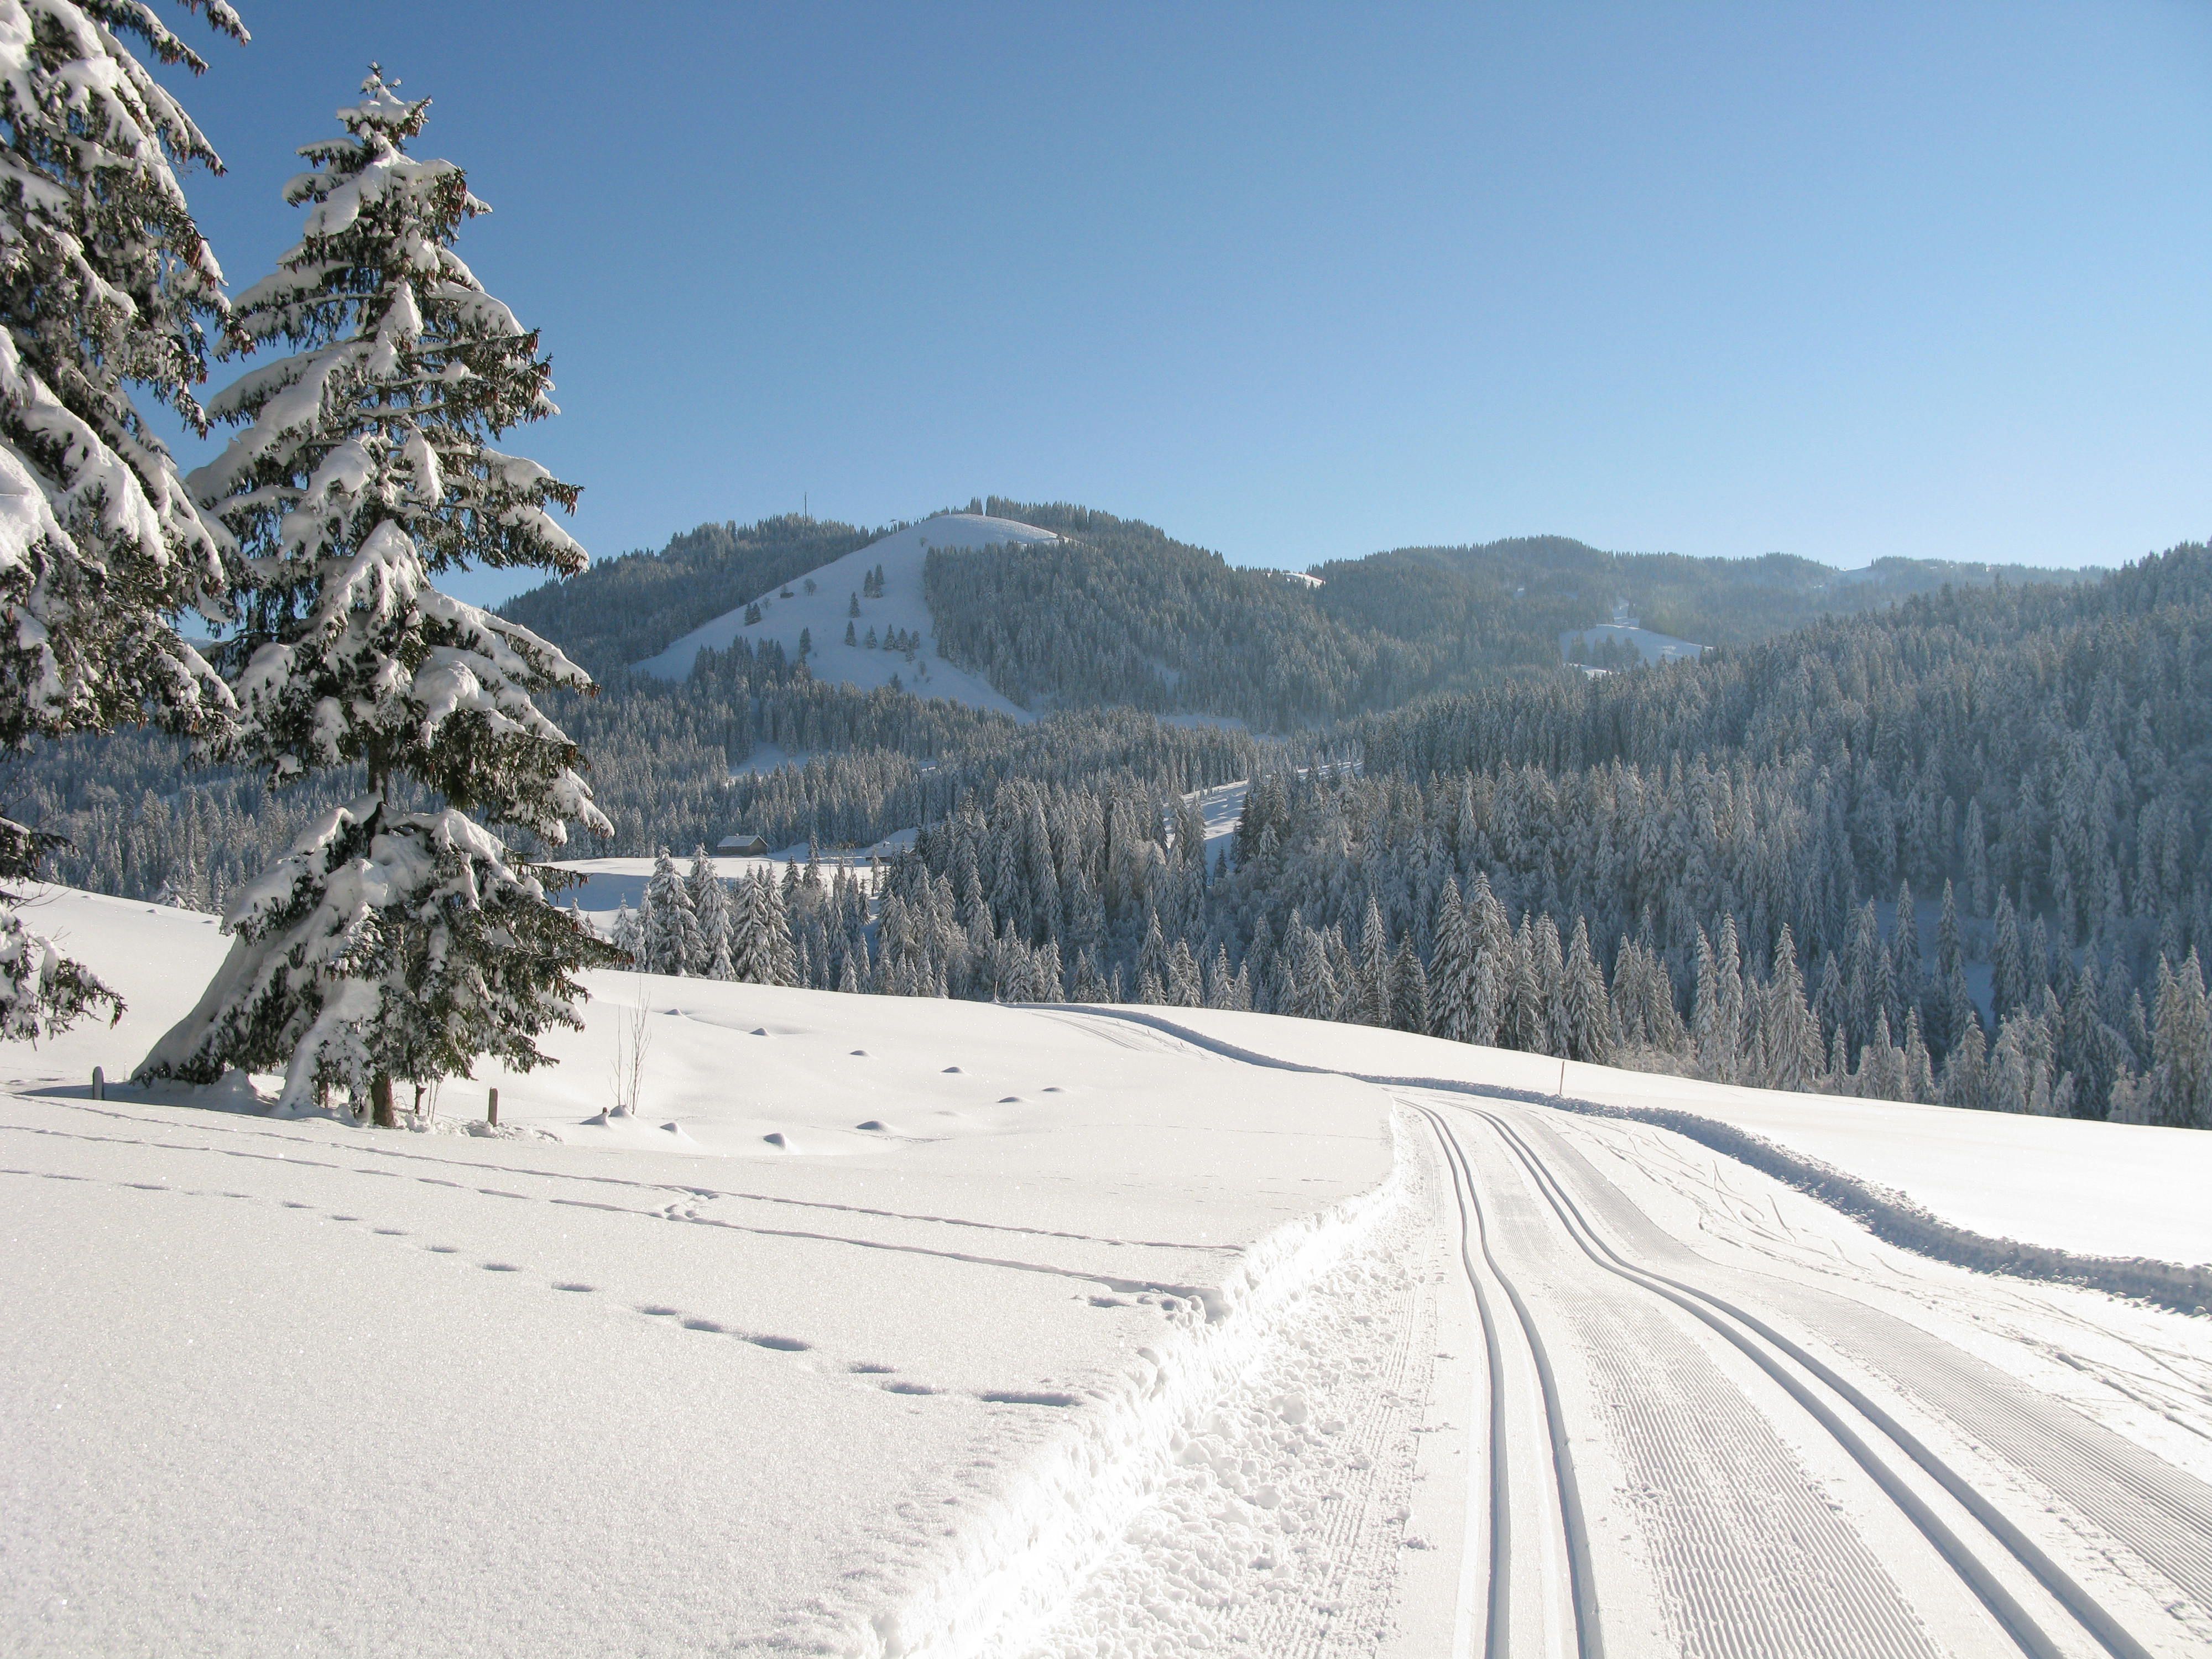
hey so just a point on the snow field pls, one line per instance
(770, 1375)
(824, 614)
(895, 1326)
(1280, 1522)
(1178, 1476)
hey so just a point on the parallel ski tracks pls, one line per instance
(1854, 1425)
(1795, 1370)
(1474, 1235)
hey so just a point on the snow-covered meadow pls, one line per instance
(754, 1360)
(891, 1326)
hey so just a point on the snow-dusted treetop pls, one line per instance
(375, 293)
(364, 470)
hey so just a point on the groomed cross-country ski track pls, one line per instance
(1675, 1454)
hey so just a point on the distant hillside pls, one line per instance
(624, 610)
(861, 620)
(1476, 610)
(1117, 613)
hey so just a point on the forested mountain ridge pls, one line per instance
(1119, 611)
(1724, 867)
(1477, 610)
(1120, 614)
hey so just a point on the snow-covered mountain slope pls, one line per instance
(902, 1326)
(823, 614)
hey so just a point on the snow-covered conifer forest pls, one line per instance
(1973, 811)
(997, 1085)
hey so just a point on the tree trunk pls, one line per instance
(379, 1095)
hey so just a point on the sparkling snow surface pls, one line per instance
(742, 1364)
(900, 1327)
(824, 614)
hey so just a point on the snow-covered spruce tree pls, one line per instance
(2177, 1091)
(627, 934)
(760, 944)
(710, 907)
(670, 927)
(105, 284)
(390, 945)
(1451, 973)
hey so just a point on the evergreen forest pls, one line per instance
(1921, 832)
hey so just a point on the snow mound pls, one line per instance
(786, 611)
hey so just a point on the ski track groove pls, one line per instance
(1752, 1557)
(2025, 1631)
(1497, 1631)
(2160, 1514)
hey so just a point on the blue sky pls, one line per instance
(1297, 283)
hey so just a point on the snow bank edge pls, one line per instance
(1012, 1570)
